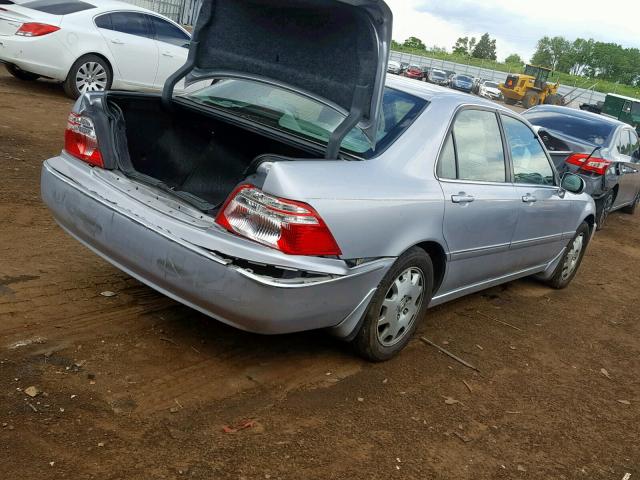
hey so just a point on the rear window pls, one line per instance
(465, 79)
(58, 7)
(593, 131)
(309, 119)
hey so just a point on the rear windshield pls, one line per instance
(307, 118)
(58, 7)
(438, 74)
(591, 130)
(491, 85)
(464, 79)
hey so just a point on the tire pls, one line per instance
(378, 341)
(21, 74)
(554, 99)
(510, 101)
(603, 208)
(531, 99)
(572, 259)
(89, 73)
(631, 209)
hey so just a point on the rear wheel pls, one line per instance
(572, 259)
(531, 99)
(631, 209)
(89, 74)
(21, 74)
(399, 304)
(510, 101)
(603, 208)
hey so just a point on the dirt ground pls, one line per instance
(137, 386)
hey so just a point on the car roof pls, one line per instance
(435, 93)
(572, 112)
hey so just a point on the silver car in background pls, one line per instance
(222, 200)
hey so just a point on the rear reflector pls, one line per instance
(593, 164)
(292, 227)
(36, 29)
(80, 140)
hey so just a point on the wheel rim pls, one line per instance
(605, 211)
(91, 77)
(573, 257)
(400, 307)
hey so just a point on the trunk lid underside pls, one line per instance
(333, 50)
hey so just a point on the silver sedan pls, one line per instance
(221, 199)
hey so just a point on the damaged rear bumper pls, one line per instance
(208, 269)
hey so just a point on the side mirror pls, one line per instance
(573, 183)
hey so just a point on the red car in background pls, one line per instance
(416, 73)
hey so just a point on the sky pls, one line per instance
(516, 25)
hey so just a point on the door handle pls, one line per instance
(117, 42)
(167, 54)
(528, 198)
(462, 198)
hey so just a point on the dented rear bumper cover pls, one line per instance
(204, 267)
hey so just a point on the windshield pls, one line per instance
(490, 85)
(593, 131)
(299, 115)
(462, 78)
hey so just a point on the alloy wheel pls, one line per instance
(91, 77)
(573, 257)
(606, 208)
(400, 307)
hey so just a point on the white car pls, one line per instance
(490, 90)
(90, 46)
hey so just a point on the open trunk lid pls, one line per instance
(335, 51)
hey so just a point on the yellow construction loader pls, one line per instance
(531, 88)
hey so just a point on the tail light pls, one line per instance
(36, 29)
(294, 228)
(593, 164)
(81, 141)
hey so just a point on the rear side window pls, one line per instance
(590, 129)
(625, 147)
(168, 33)
(131, 23)
(635, 146)
(58, 7)
(479, 154)
(530, 163)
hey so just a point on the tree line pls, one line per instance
(608, 61)
(587, 58)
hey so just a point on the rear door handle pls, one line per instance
(117, 42)
(167, 54)
(462, 198)
(528, 198)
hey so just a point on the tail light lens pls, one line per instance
(36, 29)
(81, 141)
(595, 165)
(294, 228)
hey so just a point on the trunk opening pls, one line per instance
(199, 158)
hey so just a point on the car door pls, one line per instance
(545, 219)
(135, 51)
(481, 204)
(173, 48)
(627, 170)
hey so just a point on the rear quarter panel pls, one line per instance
(378, 207)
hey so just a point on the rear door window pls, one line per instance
(168, 33)
(479, 153)
(635, 146)
(624, 145)
(58, 7)
(530, 162)
(131, 23)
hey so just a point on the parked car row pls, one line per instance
(461, 82)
